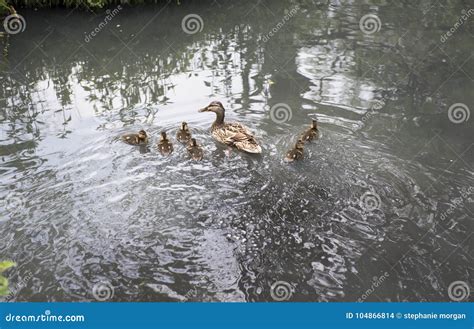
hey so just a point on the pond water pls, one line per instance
(380, 209)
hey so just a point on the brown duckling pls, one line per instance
(195, 150)
(311, 133)
(164, 145)
(183, 135)
(136, 139)
(296, 153)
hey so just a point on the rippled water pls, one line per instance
(379, 210)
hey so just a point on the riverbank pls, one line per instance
(6, 6)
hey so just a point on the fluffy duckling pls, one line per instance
(295, 153)
(183, 135)
(136, 139)
(311, 133)
(231, 133)
(195, 150)
(164, 145)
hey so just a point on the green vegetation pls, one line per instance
(4, 281)
(5, 4)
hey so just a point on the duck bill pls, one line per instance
(204, 109)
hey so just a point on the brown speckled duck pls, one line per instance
(311, 133)
(231, 133)
(165, 147)
(136, 139)
(195, 150)
(183, 135)
(296, 153)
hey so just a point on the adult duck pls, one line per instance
(231, 133)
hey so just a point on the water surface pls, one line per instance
(383, 199)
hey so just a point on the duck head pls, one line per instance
(299, 144)
(163, 136)
(142, 135)
(193, 142)
(314, 124)
(215, 107)
(184, 126)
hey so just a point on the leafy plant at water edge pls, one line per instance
(4, 7)
(4, 281)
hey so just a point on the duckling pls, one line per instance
(195, 150)
(231, 133)
(136, 139)
(311, 133)
(295, 153)
(164, 145)
(183, 135)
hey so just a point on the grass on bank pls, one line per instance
(4, 281)
(7, 5)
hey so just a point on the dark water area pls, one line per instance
(380, 209)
